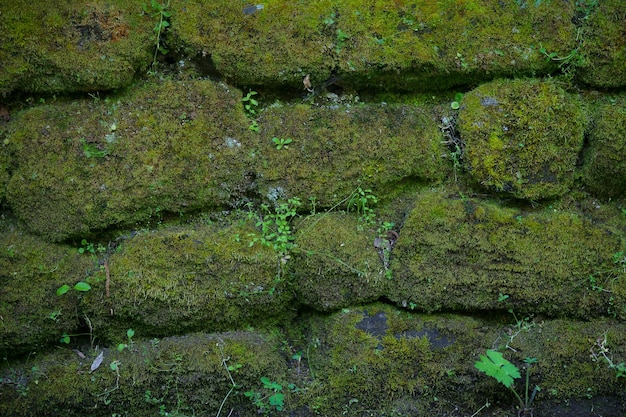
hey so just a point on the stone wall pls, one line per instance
(311, 207)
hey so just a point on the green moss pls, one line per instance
(173, 146)
(449, 245)
(75, 46)
(278, 44)
(409, 45)
(604, 167)
(33, 316)
(336, 265)
(5, 161)
(522, 137)
(604, 46)
(177, 375)
(179, 280)
(337, 148)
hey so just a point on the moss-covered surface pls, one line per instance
(162, 147)
(462, 253)
(336, 264)
(31, 271)
(604, 45)
(180, 376)
(73, 46)
(5, 161)
(373, 360)
(178, 280)
(522, 137)
(403, 45)
(604, 167)
(337, 148)
(518, 271)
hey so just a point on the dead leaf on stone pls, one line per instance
(97, 362)
(307, 83)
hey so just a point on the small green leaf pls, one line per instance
(82, 286)
(130, 333)
(65, 339)
(496, 366)
(63, 289)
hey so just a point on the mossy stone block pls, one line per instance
(336, 149)
(179, 280)
(184, 375)
(73, 46)
(522, 137)
(412, 45)
(604, 162)
(161, 147)
(336, 264)
(31, 270)
(276, 44)
(604, 44)
(465, 254)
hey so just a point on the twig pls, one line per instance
(108, 278)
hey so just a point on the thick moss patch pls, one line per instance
(604, 168)
(163, 147)
(178, 376)
(409, 45)
(179, 280)
(336, 264)
(604, 46)
(376, 360)
(459, 253)
(334, 149)
(73, 46)
(522, 137)
(32, 315)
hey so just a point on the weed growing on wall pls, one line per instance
(503, 371)
(600, 352)
(158, 11)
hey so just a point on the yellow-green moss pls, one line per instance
(5, 160)
(179, 280)
(604, 45)
(522, 137)
(162, 147)
(178, 375)
(337, 148)
(604, 167)
(335, 264)
(461, 253)
(73, 46)
(409, 45)
(33, 316)
(278, 44)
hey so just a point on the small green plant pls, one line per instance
(275, 226)
(281, 143)
(503, 371)
(250, 105)
(342, 37)
(455, 105)
(129, 335)
(273, 400)
(600, 351)
(158, 11)
(87, 247)
(92, 151)
(80, 286)
(362, 201)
